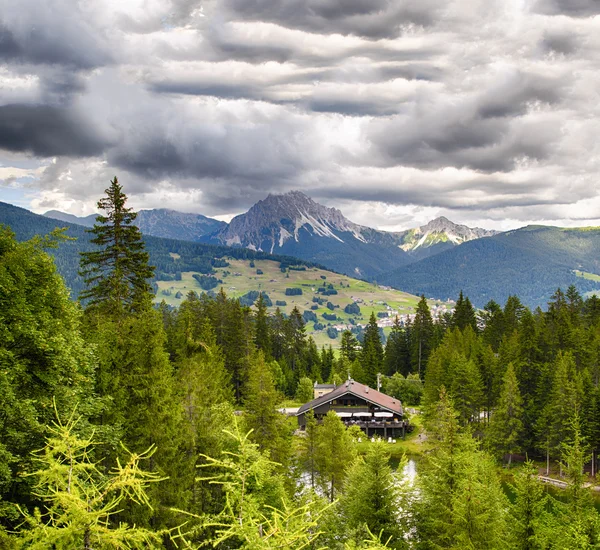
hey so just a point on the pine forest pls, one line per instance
(124, 424)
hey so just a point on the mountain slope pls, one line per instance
(294, 224)
(438, 235)
(531, 262)
(160, 222)
(169, 256)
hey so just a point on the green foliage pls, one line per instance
(372, 496)
(335, 453)
(207, 282)
(42, 357)
(408, 390)
(117, 273)
(257, 514)
(304, 391)
(268, 427)
(372, 352)
(462, 504)
(80, 499)
(506, 427)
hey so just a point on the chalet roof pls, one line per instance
(324, 386)
(358, 390)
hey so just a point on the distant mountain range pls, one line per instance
(160, 222)
(170, 257)
(293, 224)
(531, 262)
(438, 259)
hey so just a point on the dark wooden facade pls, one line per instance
(374, 412)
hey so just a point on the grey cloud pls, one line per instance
(47, 131)
(373, 19)
(50, 33)
(480, 131)
(571, 8)
(560, 42)
(353, 107)
(268, 151)
(496, 194)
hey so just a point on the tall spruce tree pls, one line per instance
(335, 453)
(421, 336)
(464, 314)
(372, 352)
(372, 497)
(117, 273)
(506, 426)
(397, 358)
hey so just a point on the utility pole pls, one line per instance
(378, 381)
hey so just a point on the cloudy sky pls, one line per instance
(394, 111)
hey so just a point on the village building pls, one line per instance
(321, 389)
(358, 405)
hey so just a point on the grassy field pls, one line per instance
(239, 278)
(586, 275)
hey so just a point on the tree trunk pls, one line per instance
(547, 461)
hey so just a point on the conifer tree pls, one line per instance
(506, 427)
(372, 496)
(493, 322)
(304, 391)
(421, 336)
(397, 358)
(327, 363)
(466, 389)
(372, 352)
(269, 428)
(117, 273)
(529, 515)
(462, 504)
(262, 336)
(257, 514)
(349, 346)
(464, 314)
(512, 313)
(335, 453)
(81, 500)
(308, 447)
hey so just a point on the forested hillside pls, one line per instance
(124, 425)
(190, 256)
(530, 262)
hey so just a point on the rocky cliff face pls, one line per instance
(279, 218)
(441, 230)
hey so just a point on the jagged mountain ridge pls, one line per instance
(293, 223)
(159, 222)
(438, 235)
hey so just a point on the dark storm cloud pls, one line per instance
(263, 151)
(481, 131)
(47, 131)
(491, 192)
(42, 34)
(373, 19)
(571, 8)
